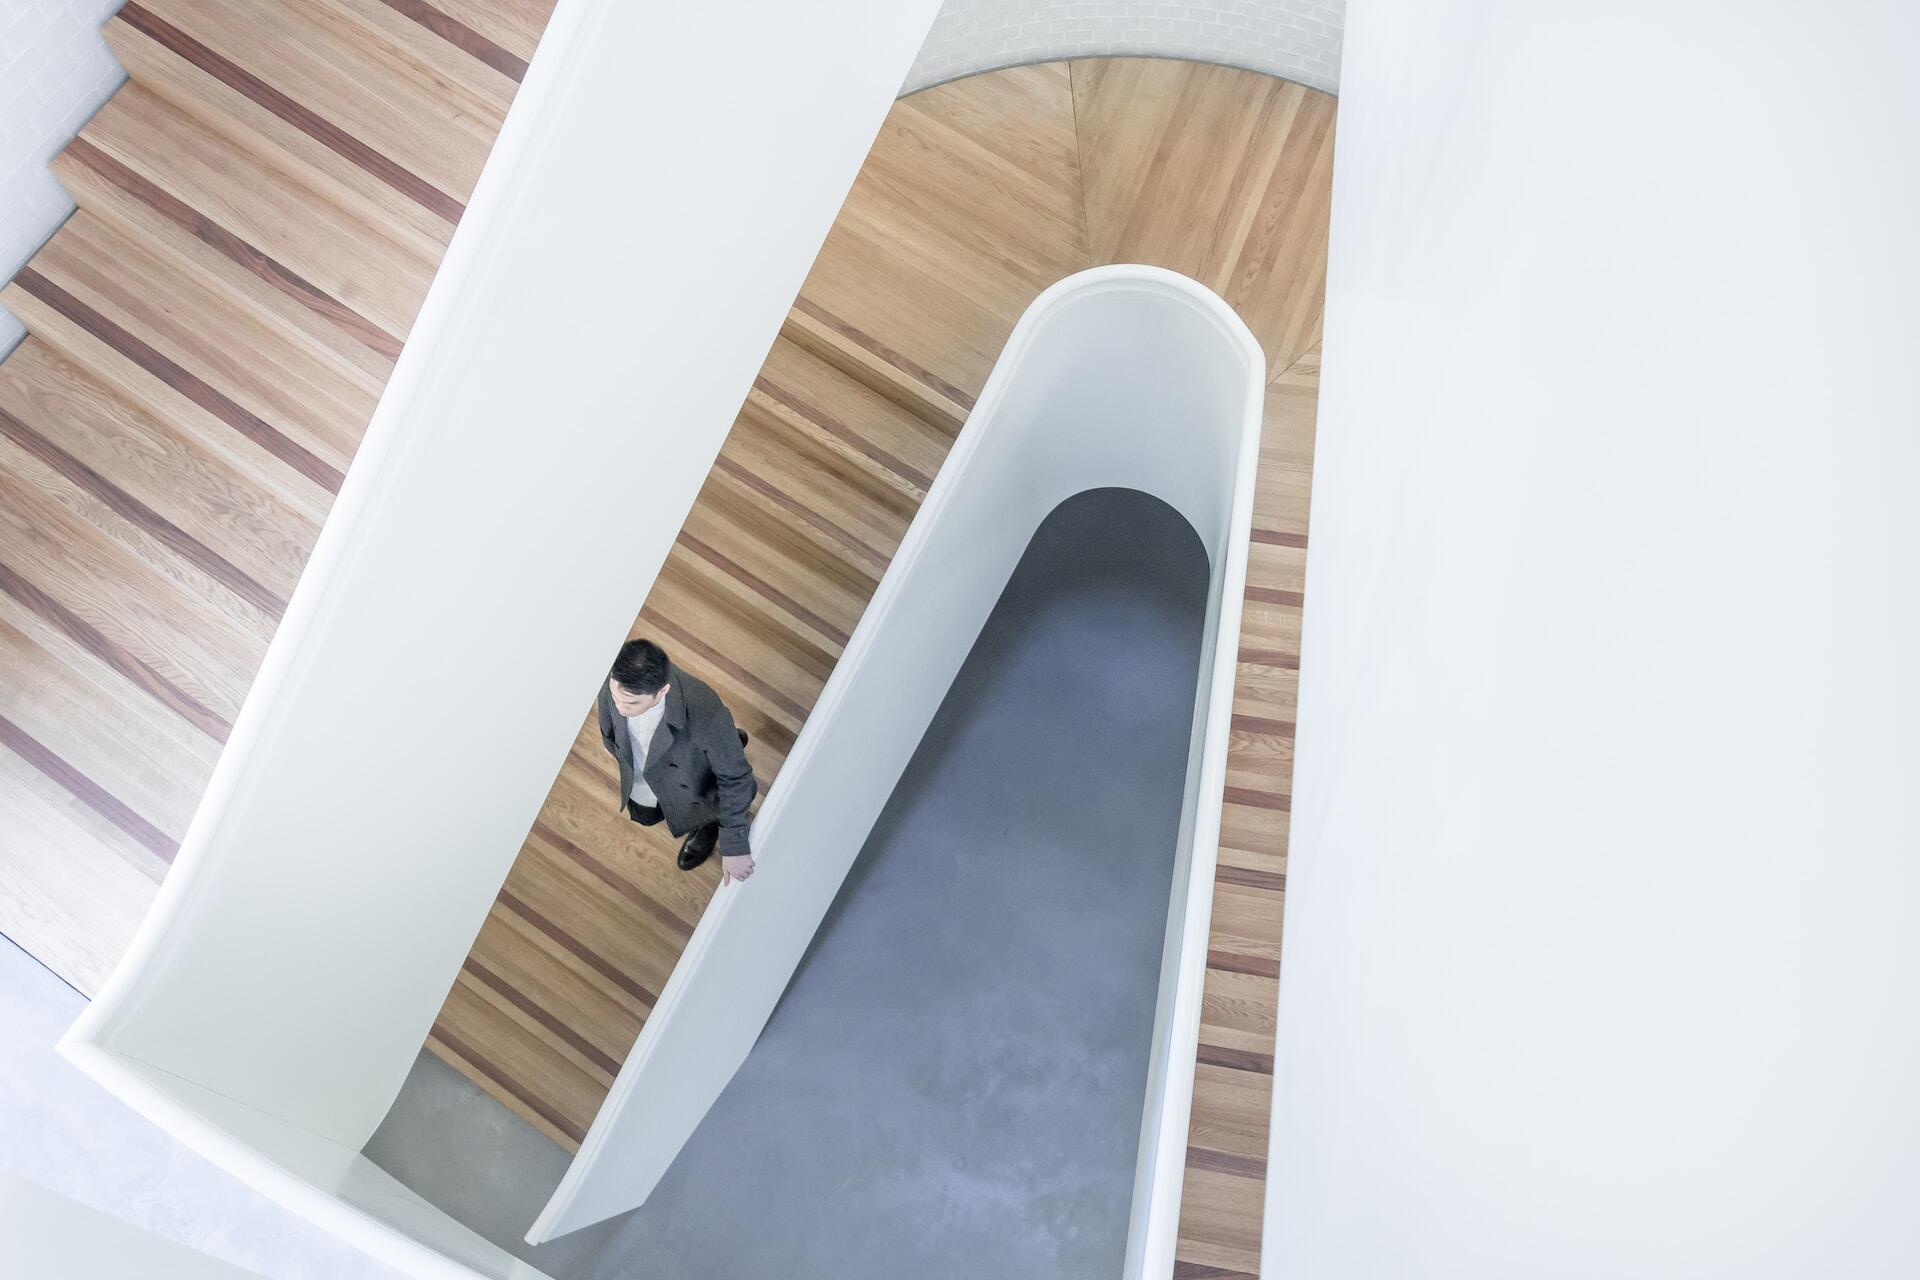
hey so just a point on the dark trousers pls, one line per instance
(647, 816)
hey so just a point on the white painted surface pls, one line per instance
(621, 272)
(1294, 39)
(1600, 957)
(1119, 376)
(333, 1186)
(44, 1236)
(61, 1130)
(55, 71)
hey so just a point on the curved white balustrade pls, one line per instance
(1122, 376)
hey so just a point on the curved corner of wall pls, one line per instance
(1295, 40)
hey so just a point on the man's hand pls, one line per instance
(735, 867)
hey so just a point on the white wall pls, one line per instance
(55, 71)
(59, 1129)
(1294, 39)
(49, 1237)
(1600, 956)
(639, 232)
(333, 1185)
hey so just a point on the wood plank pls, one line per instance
(144, 765)
(1220, 1215)
(270, 202)
(1230, 1112)
(1248, 917)
(475, 1035)
(247, 278)
(915, 220)
(190, 487)
(1219, 173)
(103, 574)
(157, 391)
(426, 141)
(74, 892)
(167, 68)
(427, 48)
(899, 447)
(515, 25)
(519, 956)
(269, 371)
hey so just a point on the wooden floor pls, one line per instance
(261, 209)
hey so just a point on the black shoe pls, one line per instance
(699, 846)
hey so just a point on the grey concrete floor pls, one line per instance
(953, 1083)
(479, 1163)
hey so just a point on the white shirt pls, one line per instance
(640, 732)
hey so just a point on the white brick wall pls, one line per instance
(1296, 39)
(55, 71)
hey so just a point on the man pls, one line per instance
(681, 758)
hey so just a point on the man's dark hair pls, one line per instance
(641, 667)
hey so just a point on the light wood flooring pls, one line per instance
(261, 209)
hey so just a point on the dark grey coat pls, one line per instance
(695, 764)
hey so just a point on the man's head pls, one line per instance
(639, 677)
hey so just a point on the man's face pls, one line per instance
(629, 703)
